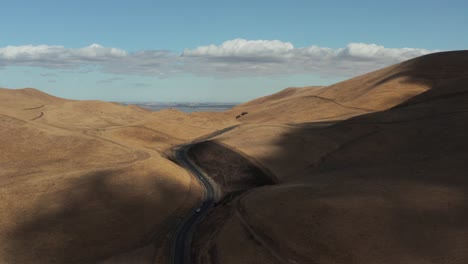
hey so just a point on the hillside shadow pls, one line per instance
(389, 185)
(95, 218)
(412, 159)
(232, 171)
(431, 69)
(408, 222)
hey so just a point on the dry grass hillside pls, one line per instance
(376, 91)
(386, 187)
(82, 181)
(85, 181)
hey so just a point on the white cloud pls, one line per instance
(97, 51)
(242, 48)
(57, 56)
(233, 58)
(108, 59)
(377, 52)
(261, 57)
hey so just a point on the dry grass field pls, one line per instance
(369, 170)
(82, 181)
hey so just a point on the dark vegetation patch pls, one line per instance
(229, 169)
(234, 174)
(203, 247)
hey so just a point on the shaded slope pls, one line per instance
(229, 170)
(386, 187)
(393, 190)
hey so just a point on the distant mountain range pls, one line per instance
(187, 107)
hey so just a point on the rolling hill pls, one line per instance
(376, 91)
(82, 181)
(384, 187)
(368, 170)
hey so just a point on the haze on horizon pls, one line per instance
(212, 51)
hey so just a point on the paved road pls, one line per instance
(180, 246)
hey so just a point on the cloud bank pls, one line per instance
(58, 56)
(233, 58)
(243, 57)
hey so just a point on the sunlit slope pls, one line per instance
(25, 103)
(386, 187)
(370, 92)
(82, 181)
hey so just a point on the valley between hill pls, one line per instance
(369, 170)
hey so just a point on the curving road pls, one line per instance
(181, 242)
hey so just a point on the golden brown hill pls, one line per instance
(385, 187)
(82, 181)
(25, 103)
(376, 91)
(26, 97)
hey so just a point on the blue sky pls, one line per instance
(213, 50)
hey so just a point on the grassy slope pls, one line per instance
(387, 187)
(376, 91)
(84, 180)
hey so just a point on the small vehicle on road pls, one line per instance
(198, 210)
